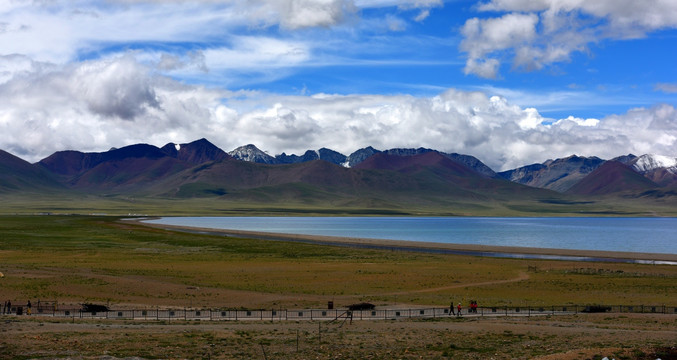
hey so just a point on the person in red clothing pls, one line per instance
(458, 310)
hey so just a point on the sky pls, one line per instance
(511, 82)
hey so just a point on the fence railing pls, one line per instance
(55, 311)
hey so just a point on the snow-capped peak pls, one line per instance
(651, 162)
(251, 153)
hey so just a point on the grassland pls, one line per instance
(592, 336)
(99, 259)
(76, 259)
(510, 205)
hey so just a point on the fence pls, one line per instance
(52, 310)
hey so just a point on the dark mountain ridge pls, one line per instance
(131, 166)
(252, 153)
(196, 152)
(558, 175)
(200, 168)
(19, 175)
(610, 178)
(382, 179)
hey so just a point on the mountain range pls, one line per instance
(365, 178)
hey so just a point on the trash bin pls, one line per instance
(19, 310)
(330, 305)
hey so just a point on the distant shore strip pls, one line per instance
(511, 252)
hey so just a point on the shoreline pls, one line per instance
(431, 247)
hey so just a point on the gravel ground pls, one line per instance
(582, 336)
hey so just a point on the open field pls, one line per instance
(591, 336)
(76, 259)
(512, 205)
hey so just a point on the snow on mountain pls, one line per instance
(251, 153)
(649, 162)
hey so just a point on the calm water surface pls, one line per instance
(652, 235)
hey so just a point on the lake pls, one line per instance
(648, 235)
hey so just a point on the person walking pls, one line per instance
(458, 310)
(9, 306)
(451, 309)
(28, 308)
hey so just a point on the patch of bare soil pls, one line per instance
(582, 336)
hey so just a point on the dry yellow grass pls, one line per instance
(88, 259)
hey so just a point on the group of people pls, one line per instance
(472, 308)
(7, 307)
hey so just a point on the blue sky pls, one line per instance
(511, 82)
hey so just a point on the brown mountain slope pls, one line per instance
(17, 174)
(127, 174)
(131, 168)
(196, 152)
(558, 175)
(663, 177)
(435, 172)
(235, 175)
(428, 178)
(612, 177)
(416, 163)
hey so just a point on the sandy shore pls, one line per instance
(460, 249)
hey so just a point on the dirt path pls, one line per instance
(521, 277)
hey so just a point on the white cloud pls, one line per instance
(96, 105)
(50, 103)
(256, 53)
(486, 68)
(483, 36)
(535, 34)
(623, 15)
(291, 14)
(51, 109)
(666, 88)
(310, 13)
(572, 121)
(402, 4)
(422, 15)
(59, 30)
(487, 36)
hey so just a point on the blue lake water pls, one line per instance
(649, 235)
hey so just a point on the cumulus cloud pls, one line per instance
(296, 14)
(117, 88)
(95, 105)
(501, 134)
(535, 34)
(47, 109)
(50, 102)
(483, 37)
